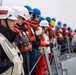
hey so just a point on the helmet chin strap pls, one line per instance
(7, 23)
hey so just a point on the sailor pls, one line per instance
(34, 54)
(45, 43)
(23, 42)
(11, 61)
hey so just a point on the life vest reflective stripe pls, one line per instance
(32, 30)
(14, 55)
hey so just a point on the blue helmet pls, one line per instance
(65, 25)
(48, 19)
(57, 27)
(41, 18)
(75, 30)
(59, 23)
(37, 12)
(29, 8)
(53, 19)
(68, 28)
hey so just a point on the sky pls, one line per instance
(61, 10)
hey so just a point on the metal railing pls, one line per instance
(56, 54)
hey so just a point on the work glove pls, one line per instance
(21, 40)
(50, 45)
(25, 48)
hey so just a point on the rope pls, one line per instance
(35, 65)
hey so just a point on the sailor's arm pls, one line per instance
(4, 62)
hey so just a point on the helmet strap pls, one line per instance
(0, 22)
(34, 16)
(7, 23)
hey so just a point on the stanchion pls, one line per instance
(47, 61)
(68, 46)
(0, 2)
(55, 59)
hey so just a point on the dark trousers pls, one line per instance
(25, 63)
(34, 55)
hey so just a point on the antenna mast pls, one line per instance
(0, 2)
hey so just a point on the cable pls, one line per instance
(34, 65)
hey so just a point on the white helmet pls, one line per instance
(7, 13)
(26, 13)
(44, 23)
(18, 10)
